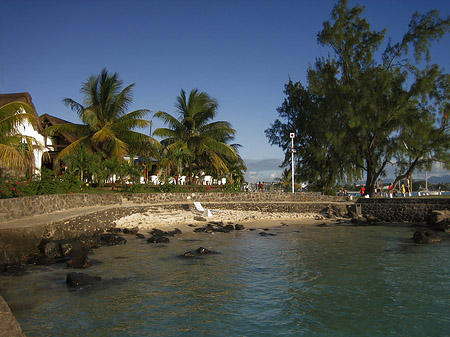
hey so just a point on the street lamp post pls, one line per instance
(292, 135)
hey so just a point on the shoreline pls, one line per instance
(166, 219)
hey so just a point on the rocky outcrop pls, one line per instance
(73, 252)
(198, 251)
(9, 327)
(425, 237)
(219, 227)
(158, 239)
(159, 236)
(439, 220)
(80, 279)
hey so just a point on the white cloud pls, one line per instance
(263, 170)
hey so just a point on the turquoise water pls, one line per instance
(305, 281)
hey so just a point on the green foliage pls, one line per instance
(84, 163)
(168, 188)
(236, 186)
(11, 187)
(45, 183)
(193, 138)
(16, 150)
(107, 126)
(329, 191)
(356, 115)
(173, 188)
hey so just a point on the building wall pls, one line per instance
(27, 129)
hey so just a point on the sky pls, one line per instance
(239, 52)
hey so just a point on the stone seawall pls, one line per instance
(154, 198)
(401, 209)
(18, 208)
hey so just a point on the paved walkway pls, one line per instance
(49, 218)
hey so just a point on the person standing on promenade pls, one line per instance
(362, 190)
(379, 188)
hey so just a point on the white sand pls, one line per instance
(163, 218)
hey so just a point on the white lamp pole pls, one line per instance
(292, 135)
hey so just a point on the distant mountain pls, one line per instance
(437, 180)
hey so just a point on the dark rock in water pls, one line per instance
(172, 233)
(158, 239)
(351, 214)
(220, 229)
(188, 255)
(439, 220)
(66, 248)
(114, 230)
(133, 230)
(199, 218)
(52, 250)
(267, 234)
(203, 250)
(157, 232)
(358, 221)
(79, 262)
(192, 225)
(90, 241)
(140, 236)
(252, 229)
(14, 269)
(112, 240)
(80, 279)
(200, 230)
(229, 227)
(371, 220)
(322, 225)
(41, 260)
(425, 237)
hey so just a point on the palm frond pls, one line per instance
(168, 120)
(79, 130)
(11, 158)
(73, 105)
(73, 147)
(123, 100)
(15, 114)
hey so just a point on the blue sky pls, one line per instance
(240, 52)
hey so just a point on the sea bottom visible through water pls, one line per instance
(304, 281)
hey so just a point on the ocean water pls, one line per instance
(304, 281)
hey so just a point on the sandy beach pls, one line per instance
(168, 219)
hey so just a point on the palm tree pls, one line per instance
(83, 163)
(107, 127)
(193, 132)
(17, 150)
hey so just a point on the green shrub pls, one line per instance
(233, 187)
